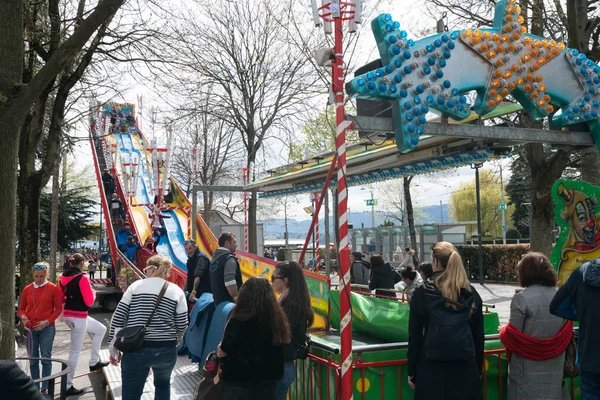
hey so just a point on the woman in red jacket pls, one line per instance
(40, 306)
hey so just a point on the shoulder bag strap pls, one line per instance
(160, 296)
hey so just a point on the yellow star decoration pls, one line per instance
(516, 58)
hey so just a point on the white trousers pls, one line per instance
(79, 326)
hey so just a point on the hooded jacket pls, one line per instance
(453, 379)
(578, 299)
(78, 293)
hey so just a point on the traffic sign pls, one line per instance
(501, 206)
(504, 228)
(371, 202)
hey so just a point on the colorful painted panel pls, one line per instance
(577, 215)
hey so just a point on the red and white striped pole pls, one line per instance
(245, 170)
(316, 197)
(342, 191)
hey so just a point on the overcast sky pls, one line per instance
(413, 18)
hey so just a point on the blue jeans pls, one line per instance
(36, 343)
(590, 385)
(136, 365)
(289, 374)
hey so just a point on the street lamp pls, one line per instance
(310, 211)
(371, 203)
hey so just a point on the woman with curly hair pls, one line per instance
(288, 280)
(253, 344)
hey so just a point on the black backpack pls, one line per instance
(449, 336)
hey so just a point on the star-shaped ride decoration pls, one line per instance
(413, 77)
(437, 72)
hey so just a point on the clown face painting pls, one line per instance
(577, 215)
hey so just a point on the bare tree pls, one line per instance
(16, 100)
(256, 77)
(208, 142)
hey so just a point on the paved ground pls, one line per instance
(91, 383)
(497, 295)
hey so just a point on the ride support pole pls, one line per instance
(344, 253)
(318, 207)
(245, 171)
(316, 197)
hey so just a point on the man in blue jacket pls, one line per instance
(578, 299)
(122, 235)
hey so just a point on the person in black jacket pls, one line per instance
(16, 384)
(253, 344)
(288, 280)
(198, 276)
(448, 366)
(578, 299)
(383, 276)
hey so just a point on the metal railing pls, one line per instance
(318, 377)
(65, 369)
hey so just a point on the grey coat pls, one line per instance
(528, 379)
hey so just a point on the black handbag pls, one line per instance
(210, 386)
(131, 338)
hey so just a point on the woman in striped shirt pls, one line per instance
(166, 328)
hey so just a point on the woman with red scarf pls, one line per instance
(535, 339)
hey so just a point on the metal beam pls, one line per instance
(514, 134)
(218, 188)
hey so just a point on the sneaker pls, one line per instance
(72, 391)
(99, 365)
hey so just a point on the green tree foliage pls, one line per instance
(75, 210)
(463, 205)
(318, 136)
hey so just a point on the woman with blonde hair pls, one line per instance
(166, 327)
(252, 349)
(445, 342)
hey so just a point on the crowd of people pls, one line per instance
(266, 334)
(376, 274)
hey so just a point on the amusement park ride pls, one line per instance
(434, 74)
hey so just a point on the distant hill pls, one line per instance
(275, 228)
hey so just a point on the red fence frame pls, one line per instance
(360, 365)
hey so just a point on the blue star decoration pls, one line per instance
(413, 78)
(436, 72)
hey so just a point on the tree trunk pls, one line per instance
(410, 213)
(590, 166)
(545, 170)
(11, 73)
(54, 222)
(28, 191)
